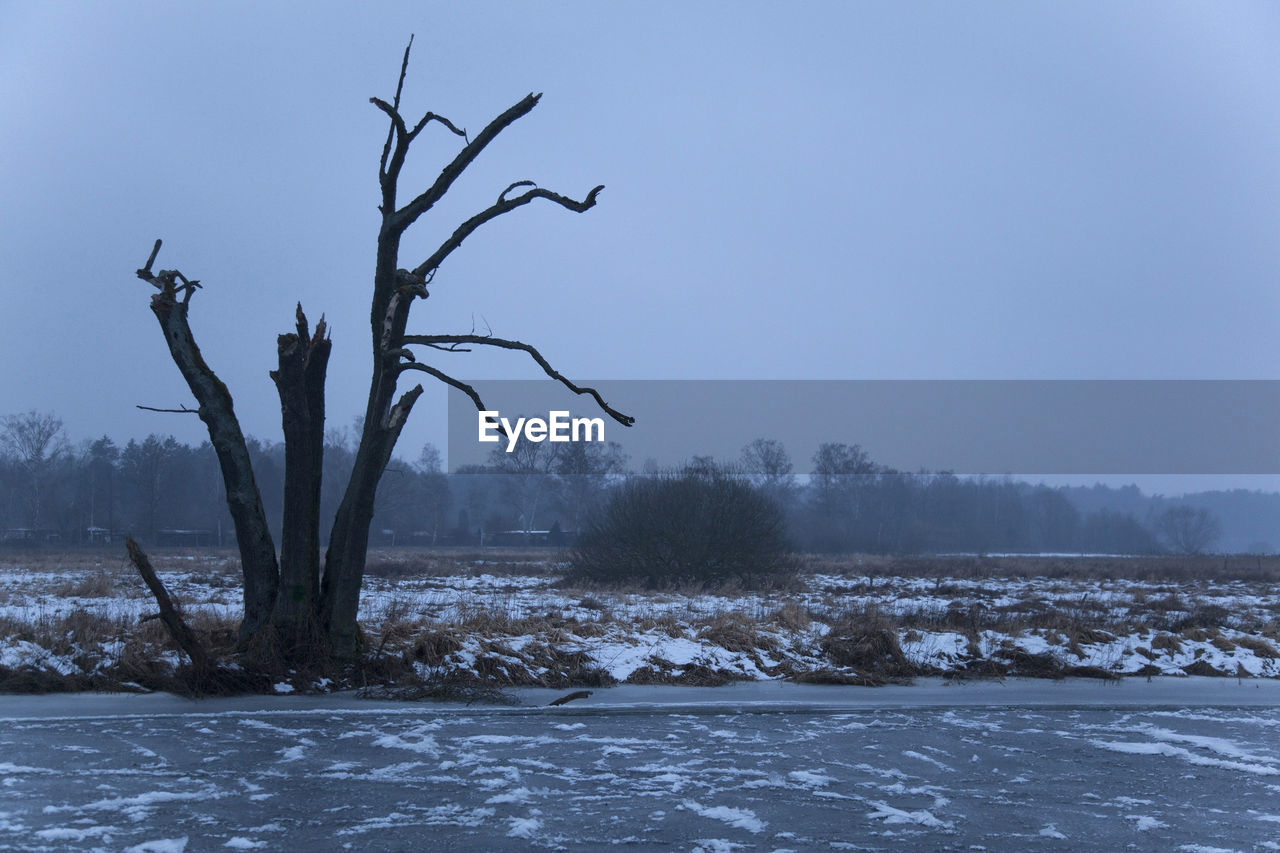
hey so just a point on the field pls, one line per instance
(500, 618)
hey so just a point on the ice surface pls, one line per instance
(742, 771)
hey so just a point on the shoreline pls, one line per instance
(740, 697)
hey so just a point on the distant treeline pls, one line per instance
(166, 492)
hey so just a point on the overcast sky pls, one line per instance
(814, 191)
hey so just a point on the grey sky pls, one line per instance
(821, 190)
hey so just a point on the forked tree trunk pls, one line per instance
(308, 613)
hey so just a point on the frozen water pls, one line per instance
(1000, 766)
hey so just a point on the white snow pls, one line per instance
(523, 827)
(735, 817)
(921, 817)
(1139, 748)
(160, 845)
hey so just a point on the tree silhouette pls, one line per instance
(310, 606)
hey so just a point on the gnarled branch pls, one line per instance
(502, 196)
(501, 206)
(446, 379)
(403, 218)
(503, 343)
(455, 383)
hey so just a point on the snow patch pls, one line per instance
(523, 827)
(737, 818)
(920, 817)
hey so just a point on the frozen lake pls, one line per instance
(1187, 764)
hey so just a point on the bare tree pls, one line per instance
(36, 442)
(839, 471)
(1188, 530)
(526, 480)
(434, 497)
(585, 470)
(312, 606)
(767, 464)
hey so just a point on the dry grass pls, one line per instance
(1258, 646)
(736, 633)
(1165, 568)
(455, 562)
(411, 641)
(99, 584)
(791, 617)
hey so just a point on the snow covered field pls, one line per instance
(632, 769)
(512, 623)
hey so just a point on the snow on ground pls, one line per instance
(524, 629)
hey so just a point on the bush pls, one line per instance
(700, 526)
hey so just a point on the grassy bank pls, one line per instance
(444, 620)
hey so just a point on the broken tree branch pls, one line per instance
(395, 109)
(145, 272)
(180, 411)
(169, 613)
(503, 343)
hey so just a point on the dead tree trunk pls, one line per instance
(303, 360)
(286, 597)
(395, 291)
(257, 551)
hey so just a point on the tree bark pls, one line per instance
(349, 540)
(303, 360)
(257, 550)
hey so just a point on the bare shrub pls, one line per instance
(697, 526)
